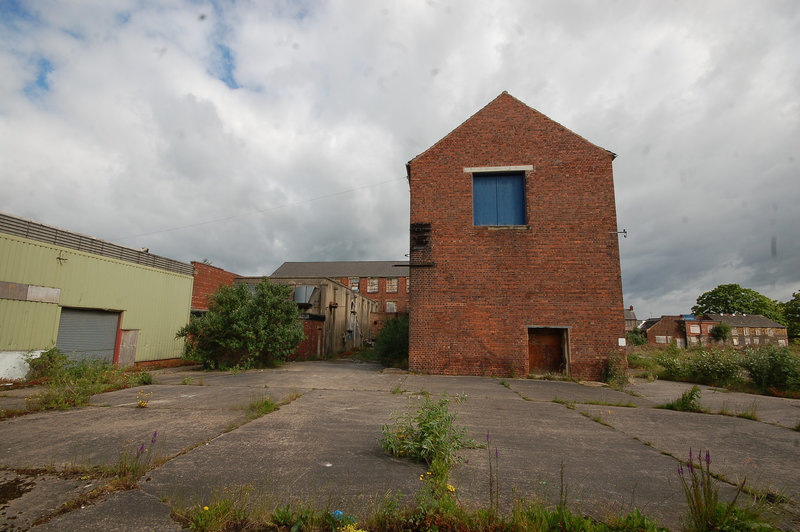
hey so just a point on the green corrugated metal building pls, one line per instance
(91, 298)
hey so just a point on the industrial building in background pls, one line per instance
(514, 261)
(87, 297)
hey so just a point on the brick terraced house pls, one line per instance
(514, 262)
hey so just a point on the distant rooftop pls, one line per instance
(743, 320)
(357, 268)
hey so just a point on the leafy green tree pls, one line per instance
(721, 332)
(791, 313)
(245, 328)
(730, 298)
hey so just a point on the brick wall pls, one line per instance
(476, 291)
(207, 279)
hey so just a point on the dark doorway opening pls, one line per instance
(547, 350)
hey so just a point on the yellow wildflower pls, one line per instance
(205, 508)
(450, 488)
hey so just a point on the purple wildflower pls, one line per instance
(743, 483)
(691, 457)
(488, 438)
(680, 469)
(155, 435)
(495, 453)
(140, 452)
(708, 458)
(691, 467)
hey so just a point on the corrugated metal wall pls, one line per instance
(154, 301)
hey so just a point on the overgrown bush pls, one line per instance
(772, 368)
(391, 345)
(717, 366)
(636, 337)
(71, 383)
(615, 371)
(244, 329)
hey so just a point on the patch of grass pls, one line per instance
(259, 406)
(71, 383)
(190, 381)
(689, 401)
(568, 404)
(554, 377)
(597, 419)
(505, 383)
(626, 404)
(397, 390)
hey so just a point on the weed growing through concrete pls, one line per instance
(190, 381)
(568, 404)
(131, 467)
(72, 383)
(689, 401)
(705, 510)
(142, 398)
(426, 435)
(260, 405)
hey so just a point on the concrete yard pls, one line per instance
(322, 446)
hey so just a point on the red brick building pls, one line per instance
(207, 279)
(383, 281)
(514, 263)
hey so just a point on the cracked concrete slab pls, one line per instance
(322, 447)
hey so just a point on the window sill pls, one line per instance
(506, 227)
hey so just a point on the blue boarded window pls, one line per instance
(498, 199)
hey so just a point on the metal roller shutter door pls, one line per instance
(88, 334)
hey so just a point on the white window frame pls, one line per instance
(394, 304)
(372, 285)
(354, 283)
(391, 285)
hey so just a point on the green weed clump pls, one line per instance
(427, 435)
(705, 511)
(717, 366)
(689, 401)
(71, 383)
(131, 467)
(772, 369)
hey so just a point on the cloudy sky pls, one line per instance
(252, 133)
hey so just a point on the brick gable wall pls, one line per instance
(207, 279)
(470, 311)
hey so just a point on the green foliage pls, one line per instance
(721, 332)
(47, 364)
(243, 329)
(772, 368)
(615, 371)
(689, 401)
(427, 435)
(791, 313)
(131, 467)
(391, 345)
(636, 337)
(730, 298)
(259, 406)
(706, 512)
(72, 383)
(717, 366)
